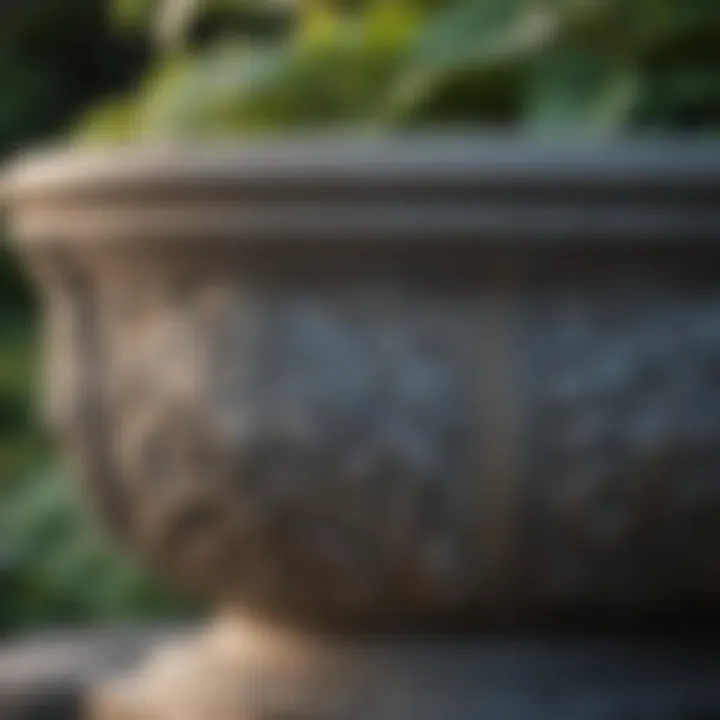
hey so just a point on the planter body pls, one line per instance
(403, 384)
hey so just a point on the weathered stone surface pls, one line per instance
(369, 451)
(262, 674)
(310, 452)
(396, 383)
(624, 445)
(47, 677)
(67, 677)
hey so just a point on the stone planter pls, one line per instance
(385, 385)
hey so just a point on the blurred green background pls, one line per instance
(97, 71)
(56, 58)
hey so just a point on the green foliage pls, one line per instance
(55, 57)
(15, 296)
(331, 69)
(541, 65)
(55, 565)
(20, 442)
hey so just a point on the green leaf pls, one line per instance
(113, 122)
(391, 26)
(591, 65)
(471, 46)
(225, 91)
(133, 14)
(477, 32)
(317, 26)
(578, 89)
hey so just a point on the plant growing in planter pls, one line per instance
(593, 65)
(381, 382)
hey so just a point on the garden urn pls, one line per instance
(367, 394)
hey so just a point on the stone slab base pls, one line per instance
(48, 676)
(241, 672)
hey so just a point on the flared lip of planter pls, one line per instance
(471, 188)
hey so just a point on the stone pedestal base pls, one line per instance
(238, 672)
(243, 672)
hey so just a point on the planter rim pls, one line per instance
(430, 158)
(406, 185)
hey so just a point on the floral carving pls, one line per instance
(302, 452)
(626, 446)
